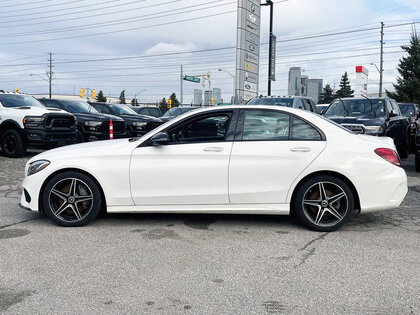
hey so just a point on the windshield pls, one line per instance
(15, 100)
(122, 110)
(357, 107)
(169, 113)
(407, 110)
(77, 107)
(186, 109)
(287, 102)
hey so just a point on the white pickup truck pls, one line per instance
(25, 122)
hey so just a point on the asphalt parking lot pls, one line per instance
(207, 264)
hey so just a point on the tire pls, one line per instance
(79, 137)
(404, 150)
(328, 213)
(72, 199)
(417, 163)
(12, 144)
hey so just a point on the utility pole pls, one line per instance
(182, 83)
(50, 73)
(381, 63)
(270, 47)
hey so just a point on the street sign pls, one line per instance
(192, 79)
(247, 49)
(273, 39)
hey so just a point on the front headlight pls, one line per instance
(33, 122)
(139, 124)
(37, 166)
(93, 124)
(373, 130)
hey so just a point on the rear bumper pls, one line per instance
(389, 194)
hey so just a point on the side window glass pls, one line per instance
(388, 106)
(298, 103)
(205, 129)
(266, 125)
(105, 110)
(307, 104)
(51, 104)
(395, 108)
(303, 131)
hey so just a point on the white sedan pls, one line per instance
(232, 159)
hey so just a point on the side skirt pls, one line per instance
(280, 209)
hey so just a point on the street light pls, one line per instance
(234, 89)
(135, 96)
(380, 78)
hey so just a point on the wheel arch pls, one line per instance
(41, 191)
(330, 173)
(9, 124)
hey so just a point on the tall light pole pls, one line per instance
(135, 96)
(380, 78)
(234, 89)
(270, 46)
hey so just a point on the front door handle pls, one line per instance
(301, 149)
(213, 149)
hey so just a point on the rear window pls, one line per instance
(278, 101)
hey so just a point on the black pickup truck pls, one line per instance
(91, 125)
(137, 125)
(372, 116)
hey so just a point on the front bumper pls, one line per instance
(95, 136)
(40, 138)
(31, 189)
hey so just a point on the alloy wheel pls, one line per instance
(10, 143)
(325, 204)
(71, 199)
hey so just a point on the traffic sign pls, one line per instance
(192, 79)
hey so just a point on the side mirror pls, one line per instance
(161, 138)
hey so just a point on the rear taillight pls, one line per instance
(390, 155)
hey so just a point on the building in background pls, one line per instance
(295, 81)
(207, 96)
(314, 89)
(217, 96)
(301, 85)
(198, 97)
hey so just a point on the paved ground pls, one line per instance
(207, 264)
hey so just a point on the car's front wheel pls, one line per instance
(324, 203)
(72, 199)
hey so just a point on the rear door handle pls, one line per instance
(301, 149)
(213, 149)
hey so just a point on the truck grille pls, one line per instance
(60, 122)
(355, 128)
(118, 127)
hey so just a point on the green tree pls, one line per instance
(100, 97)
(174, 100)
(345, 88)
(163, 106)
(122, 97)
(327, 95)
(407, 88)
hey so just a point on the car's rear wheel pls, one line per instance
(324, 203)
(12, 144)
(72, 199)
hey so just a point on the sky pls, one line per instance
(139, 45)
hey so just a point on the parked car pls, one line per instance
(321, 108)
(147, 110)
(287, 101)
(412, 111)
(372, 116)
(177, 111)
(91, 125)
(26, 123)
(294, 161)
(137, 125)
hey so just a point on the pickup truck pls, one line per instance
(372, 116)
(26, 123)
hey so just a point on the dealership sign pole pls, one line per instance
(247, 50)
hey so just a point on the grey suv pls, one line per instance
(301, 102)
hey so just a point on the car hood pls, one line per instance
(98, 148)
(134, 117)
(363, 120)
(37, 111)
(97, 116)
